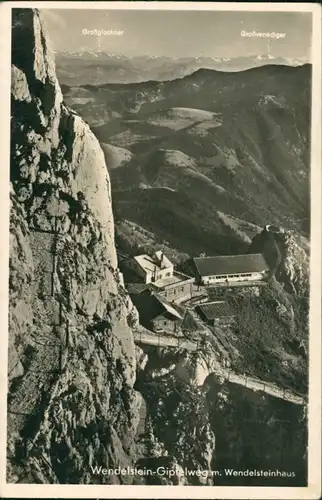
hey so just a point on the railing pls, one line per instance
(259, 385)
(245, 380)
(235, 284)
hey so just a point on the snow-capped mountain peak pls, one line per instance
(264, 57)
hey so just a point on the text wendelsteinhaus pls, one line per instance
(258, 473)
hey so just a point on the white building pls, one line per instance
(152, 268)
(230, 269)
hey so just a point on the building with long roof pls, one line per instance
(225, 269)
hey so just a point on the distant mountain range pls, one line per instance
(105, 67)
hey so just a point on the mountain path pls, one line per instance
(47, 340)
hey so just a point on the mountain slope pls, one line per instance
(234, 143)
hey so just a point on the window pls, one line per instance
(168, 274)
(182, 289)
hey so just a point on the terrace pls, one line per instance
(174, 280)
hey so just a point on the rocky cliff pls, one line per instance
(71, 401)
(287, 256)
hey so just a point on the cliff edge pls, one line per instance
(71, 402)
(287, 256)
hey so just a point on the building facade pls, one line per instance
(230, 269)
(179, 290)
(165, 323)
(157, 274)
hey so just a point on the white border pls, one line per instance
(313, 491)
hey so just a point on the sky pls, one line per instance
(179, 34)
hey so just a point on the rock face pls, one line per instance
(285, 257)
(71, 350)
(194, 370)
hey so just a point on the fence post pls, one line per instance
(60, 312)
(68, 340)
(54, 259)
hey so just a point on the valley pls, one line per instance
(215, 155)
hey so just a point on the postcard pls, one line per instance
(161, 276)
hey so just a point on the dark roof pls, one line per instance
(230, 264)
(213, 310)
(151, 305)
